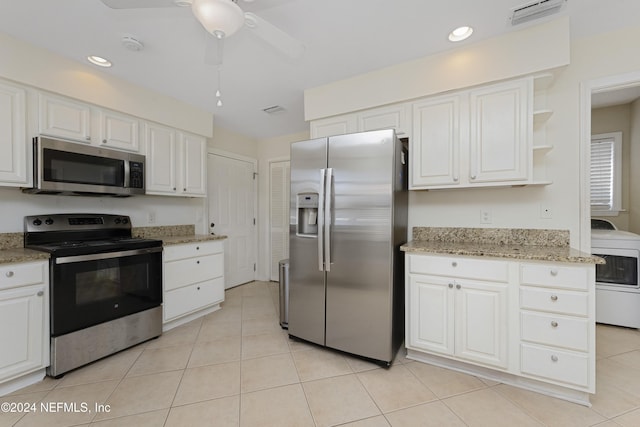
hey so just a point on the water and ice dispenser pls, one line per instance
(307, 204)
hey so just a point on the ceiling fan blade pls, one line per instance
(274, 36)
(138, 4)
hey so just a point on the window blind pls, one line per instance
(602, 173)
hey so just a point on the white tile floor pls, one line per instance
(236, 367)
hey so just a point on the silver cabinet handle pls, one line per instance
(455, 179)
(450, 285)
(554, 272)
(554, 358)
(454, 264)
(104, 141)
(9, 274)
(473, 177)
(197, 248)
(554, 324)
(458, 286)
(198, 262)
(40, 293)
(554, 297)
(88, 138)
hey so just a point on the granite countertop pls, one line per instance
(520, 244)
(174, 234)
(17, 255)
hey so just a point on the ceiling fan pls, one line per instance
(222, 18)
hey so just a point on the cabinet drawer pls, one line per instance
(497, 271)
(189, 250)
(192, 270)
(557, 365)
(13, 275)
(561, 331)
(191, 298)
(557, 276)
(554, 300)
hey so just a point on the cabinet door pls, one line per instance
(481, 322)
(13, 162)
(434, 152)
(501, 132)
(21, 330)
(64, 118)
(160, 146)
(431, 316)
(393, 117)
(332, 126)
(193, 149)
(119, 131)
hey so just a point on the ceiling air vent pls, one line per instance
(535, 10)
(275, 109)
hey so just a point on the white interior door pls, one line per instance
(231, 186)
(279, 214)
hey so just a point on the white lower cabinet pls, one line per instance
(193, 278)
(557, 323)
(24, 319)
(529, 324)
(456, 316)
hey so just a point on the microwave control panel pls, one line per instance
(136, 174)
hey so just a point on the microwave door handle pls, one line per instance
(127, 173)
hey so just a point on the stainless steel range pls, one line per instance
(106, 286)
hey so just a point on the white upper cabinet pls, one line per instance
(64, 118)
(479, 137)
(176, 162)
(193, 164)
(14, 145)
(501, 132)
(435, 160)
(331, 126)
(119, 131)
(391, 117)
(160, 150)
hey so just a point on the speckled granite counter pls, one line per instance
(174, 234)
(522, 244)
(12, 251)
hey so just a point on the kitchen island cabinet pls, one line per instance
(524, 316)
(24, 324)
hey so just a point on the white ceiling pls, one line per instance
(342, 38)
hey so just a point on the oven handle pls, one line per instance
(106, 255)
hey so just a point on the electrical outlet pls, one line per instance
(151, 217)
(545, 212)
(485, 216)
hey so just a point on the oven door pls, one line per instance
(621, 270)
(90, 289)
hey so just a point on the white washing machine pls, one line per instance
(617, 287)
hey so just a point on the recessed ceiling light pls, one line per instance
(460, 33)
(99, 61)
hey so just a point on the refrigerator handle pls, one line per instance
(327, 220)
(321, 220)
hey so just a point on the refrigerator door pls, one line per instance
(360, 280)
(306, 261)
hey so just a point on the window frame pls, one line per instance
(616, 182)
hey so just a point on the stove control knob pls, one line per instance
(125, 220)
(37, 222)
(117, 221)
(48, 221)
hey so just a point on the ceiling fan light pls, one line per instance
(218, 16)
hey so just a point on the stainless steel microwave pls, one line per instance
(62, 167)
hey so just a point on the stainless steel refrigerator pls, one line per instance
(348, 220)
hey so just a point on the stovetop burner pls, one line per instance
(78, 234)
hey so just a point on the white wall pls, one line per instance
(617, 119)
(272, 149)
(634, 172)
(35, 67)
(591, 58)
